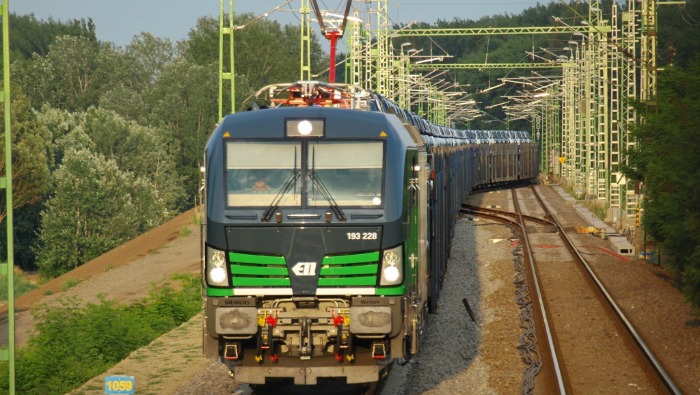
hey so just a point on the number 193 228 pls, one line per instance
(362, 235)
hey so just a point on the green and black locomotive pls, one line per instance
(328, 220)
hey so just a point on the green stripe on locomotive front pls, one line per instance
(351, 270)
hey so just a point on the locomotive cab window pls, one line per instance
(349, 172)
(304, 173)
(257, 171)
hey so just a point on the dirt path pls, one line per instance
(124, 274)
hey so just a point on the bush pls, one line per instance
(22, 286)
(73, 344)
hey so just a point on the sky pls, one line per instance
(119, 21)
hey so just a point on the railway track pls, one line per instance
(584, 342)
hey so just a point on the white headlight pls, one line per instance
(305, 128)
(391, 274)
(217, 274)
(392, 266)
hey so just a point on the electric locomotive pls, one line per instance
(328, 221)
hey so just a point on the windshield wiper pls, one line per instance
(288, 183)
(326, 194)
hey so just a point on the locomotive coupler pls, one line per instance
(306, 341)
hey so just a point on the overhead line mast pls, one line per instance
(332, 34)
(8, 268)
(607, 66)
(224, 73)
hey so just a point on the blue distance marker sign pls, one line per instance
(119, 385)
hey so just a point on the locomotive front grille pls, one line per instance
(250, 270)
(351, 270)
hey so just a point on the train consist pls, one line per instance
(329, 217)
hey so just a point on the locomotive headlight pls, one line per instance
(305, 128)
(392, 268)
(216, 267)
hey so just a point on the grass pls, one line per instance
(88, 340)
(22, 285)
(68, 284)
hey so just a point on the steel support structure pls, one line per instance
(483, 31)
(647, 91)
(353, 66)
(305, 53)
(384, 55)
(226, 66)
(588, 128)
(628, 42)
(599, 33)
(615, 157)
(581, 120)
(590, 117)
(7, 268)
(568, 120)
(480, 66)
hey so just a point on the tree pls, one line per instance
(32, 36)
(91, 210)
(31, 155)
(144, 152)
(72, 75)
(265, 52)
(183, 105)
(32, 158)
(141, 150)
(140, 65)
(666, 161)
(113, 180)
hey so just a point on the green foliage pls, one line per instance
(143, 151)
(140, 64)
(31, 162)
(138, 159)
(72, 344)
(265, 53)
(68, 284)
(21, 285)
(678, 34)
(30, 155)
(185, 85)
(91, 211)
(666, 160)
(72, 75)
(31, 36)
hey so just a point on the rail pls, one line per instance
(654, 363)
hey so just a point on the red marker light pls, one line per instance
(272, 321)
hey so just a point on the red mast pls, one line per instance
(332, 35)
